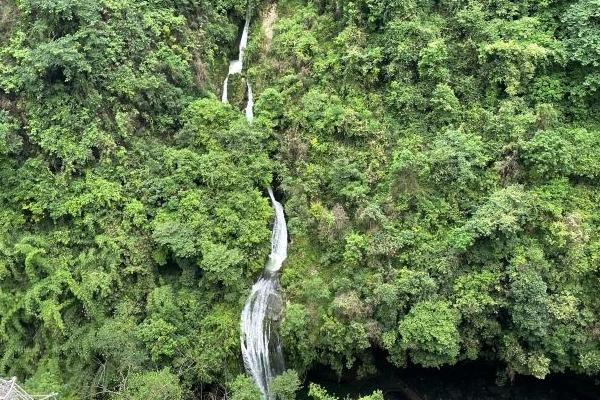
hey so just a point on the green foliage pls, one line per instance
(285, 385)
(530, 310)
(590, 362)
(243, 388)
(155, 384)
(583, 40)
(46, 379)
(429, 333)
(438, 165)
(570, 152)
(318, 393)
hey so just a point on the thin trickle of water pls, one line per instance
(250, 104)
(261, 346)
(224, 98)
(244, 38)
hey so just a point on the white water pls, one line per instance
(261, 347)
(279, 237)
(236, 66)
(250, 104)
(260, 343)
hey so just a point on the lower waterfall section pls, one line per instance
(261, 346)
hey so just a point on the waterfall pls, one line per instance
(279, 237)
(235, 66)
(250, 104)
(261, 346)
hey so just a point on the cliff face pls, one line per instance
(8, 18)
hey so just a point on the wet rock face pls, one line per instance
(237, 91)
(276, 307)
(7, 18)
(267, 26)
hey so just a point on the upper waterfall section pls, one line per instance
(236, 66)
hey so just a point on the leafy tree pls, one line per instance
(145, 385)
(318, 393)
(243, 388)
(583, 40)
(285, 385)
(429, 333)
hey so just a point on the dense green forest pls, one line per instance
(438, 161)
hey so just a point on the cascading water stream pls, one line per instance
(261, 346)
(235, 66)
(260, 342)
(250, 104)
